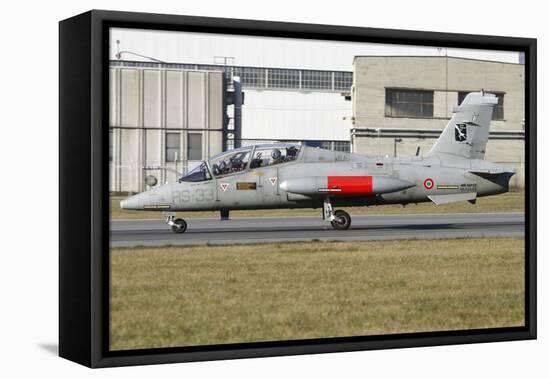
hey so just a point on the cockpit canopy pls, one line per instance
(230, 161)
(266, 155)
(199, 173)
(263, 155)
(239, 159)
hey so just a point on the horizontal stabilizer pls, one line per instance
(443, 199)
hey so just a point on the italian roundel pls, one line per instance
(428, 183)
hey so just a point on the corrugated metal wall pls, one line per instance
(145, 105)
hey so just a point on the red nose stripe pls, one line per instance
(350, 184)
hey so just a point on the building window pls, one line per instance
(409, 103)
(342, 146)
(343, 81)
(283, 78)
(325, 145)
(194, 146)
(337, 145)
(316, 80)
(172, 149)
(250, 76)
(498, 110)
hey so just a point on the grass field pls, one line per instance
(507, 202)
(178, 296)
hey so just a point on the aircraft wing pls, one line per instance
(442, 199)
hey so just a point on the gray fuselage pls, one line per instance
(432, 178)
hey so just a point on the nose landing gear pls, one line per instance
(178, 225)
(342, 220)
(339, 219)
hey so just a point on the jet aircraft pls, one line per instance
(290, 175)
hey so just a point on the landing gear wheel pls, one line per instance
(179, 226)
(342, 220)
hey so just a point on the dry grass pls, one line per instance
(508, 202)
(178, 296)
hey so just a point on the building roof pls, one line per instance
(433, 57)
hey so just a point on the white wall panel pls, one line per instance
(196, 101)
(130, 166)
(215, 99)
(113, 98)
(151, 98)
(129, 97)
(295, 115)
(174, 99)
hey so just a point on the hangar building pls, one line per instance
(160, 120)
(167, 117)
(400, 103)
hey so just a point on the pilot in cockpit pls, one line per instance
(277, 156)
(291, 153)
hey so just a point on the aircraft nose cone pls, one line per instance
(131, 203)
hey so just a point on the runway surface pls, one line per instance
(128, 233)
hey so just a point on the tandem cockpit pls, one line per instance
(241, 159)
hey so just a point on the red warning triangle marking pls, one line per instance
(224, 186)
(273, 180)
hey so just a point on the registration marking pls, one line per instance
(447, 187)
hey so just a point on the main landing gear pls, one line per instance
(339, 219)
(178, 225)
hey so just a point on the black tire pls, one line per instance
(180, 226)
(342, 221)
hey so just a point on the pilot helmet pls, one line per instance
(291, 151)
(216, 169)
(276, 154)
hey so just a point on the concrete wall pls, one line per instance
(446, 77)
(147, 103)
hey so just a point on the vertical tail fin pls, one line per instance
(467, 132)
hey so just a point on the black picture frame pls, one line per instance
(83, 182)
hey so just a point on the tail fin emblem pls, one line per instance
(460, 132)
